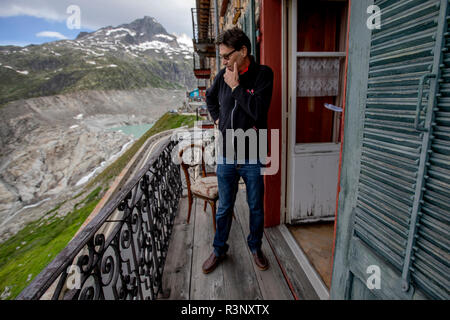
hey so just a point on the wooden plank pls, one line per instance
(271, 282)
(316, 241)
(312, 275)
(238, 271)
(177, 270)
(204, 286)
(297, 277)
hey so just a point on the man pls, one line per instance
(239, 98)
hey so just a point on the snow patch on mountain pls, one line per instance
(148, 45)
(132, 33)
(165, 37)
(21, 72)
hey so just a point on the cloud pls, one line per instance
(8, 9)
(174, 15)
(184, 39)
(51, 34)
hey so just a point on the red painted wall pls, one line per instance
(270, 54)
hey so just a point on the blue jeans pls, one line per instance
(228, 177)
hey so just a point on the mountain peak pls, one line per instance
(81, 35)
(146, 28)
(149, 18)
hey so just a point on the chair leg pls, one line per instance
(213, 206)
(190, 207)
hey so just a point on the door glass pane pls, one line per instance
(317, 77)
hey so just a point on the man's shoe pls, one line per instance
(260, 260)
(211, 263)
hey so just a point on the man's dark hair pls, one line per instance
(235, 38)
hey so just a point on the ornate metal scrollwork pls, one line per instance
(121, 252)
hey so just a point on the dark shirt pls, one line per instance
(246, 107)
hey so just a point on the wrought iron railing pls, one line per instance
(202, 67)
(201, 62)
(120, 254)
(203, 25)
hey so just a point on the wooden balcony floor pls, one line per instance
(236, 278)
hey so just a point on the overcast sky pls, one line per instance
(174, 15)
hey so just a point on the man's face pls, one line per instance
(230, 56)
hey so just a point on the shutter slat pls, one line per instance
(410, 70)
(435, 212)
(393, 138)
(398, 214)
(402, 151)
(439, 187)
(436, 232)
(393, 102)
(427, 22)
(382, 245)
(392, 230)
(404, 49)
(396, 161)
(432, 269)
(389, 169)
(440, 160)
(411, 78)
(401, 13)
(389, 127)
(387, 180)
(435, 290)
(435, 253)
(395, 204)
(434, 279)
(434, 198)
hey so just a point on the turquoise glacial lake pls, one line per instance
(136, 130)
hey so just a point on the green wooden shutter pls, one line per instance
(430, 266)
(393, 199)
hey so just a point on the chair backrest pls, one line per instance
(186, 166)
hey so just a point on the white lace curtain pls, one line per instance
(317, 77)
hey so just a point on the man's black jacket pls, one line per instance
(244, 108)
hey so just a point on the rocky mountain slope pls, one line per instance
(131, 56)
(59, 100)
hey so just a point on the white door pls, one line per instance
(316, 72)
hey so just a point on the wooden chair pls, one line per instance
(204, 187)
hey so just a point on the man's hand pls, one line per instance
(232, 77)
(217, 122)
